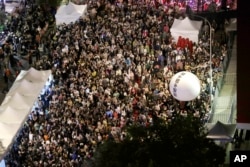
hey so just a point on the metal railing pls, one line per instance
(226, 79)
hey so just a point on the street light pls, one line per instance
(210, 57)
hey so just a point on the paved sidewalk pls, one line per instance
(225, 98)
(227, 94)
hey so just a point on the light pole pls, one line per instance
(210, 57)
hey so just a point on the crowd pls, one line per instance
(21, 38)
(111, 69)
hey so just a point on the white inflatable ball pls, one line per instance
(185, 86)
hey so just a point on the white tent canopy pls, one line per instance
(24, 87)
(11, 115)
(69, 13)
(18, 103)
(186, 28)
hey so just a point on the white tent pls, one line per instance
(24, 87)
(10, 6)
(2, 163)
(232, 26)
(12, 115)
(69, 13)
(186, 28)
(18, 103)
(9, 130)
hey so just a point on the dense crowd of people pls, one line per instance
(111, 69)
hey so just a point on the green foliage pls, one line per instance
(52, 3)
(181, 143)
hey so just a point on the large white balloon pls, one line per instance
(185, 86)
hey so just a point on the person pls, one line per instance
(7, 74)
(1, 59)
(105, 78)
(2, 6)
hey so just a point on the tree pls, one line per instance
(180, 143)
(51, 3)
